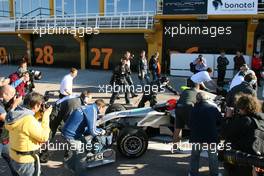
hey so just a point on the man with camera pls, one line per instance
(8, 102)
(243, 129)
(26, 134)
(81, 123)
(119, 81)
(21, 80)
(199, 64)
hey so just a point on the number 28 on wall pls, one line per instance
(97, 55)
(44, 55)
(3, 55)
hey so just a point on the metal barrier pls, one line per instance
(103, 22)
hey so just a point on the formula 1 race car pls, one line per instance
(132, 128)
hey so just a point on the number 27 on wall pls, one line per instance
(96, 60)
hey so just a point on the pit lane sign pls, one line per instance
(232, 7)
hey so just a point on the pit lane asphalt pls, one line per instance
(158, 160)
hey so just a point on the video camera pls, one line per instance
(45, 105)
(35, 74)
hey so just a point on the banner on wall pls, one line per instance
(180, 63)
(232, 7)
(184, 6)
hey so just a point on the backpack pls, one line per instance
(258, 144)
(192, 67)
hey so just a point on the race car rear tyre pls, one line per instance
(132, 142)
(115, 108)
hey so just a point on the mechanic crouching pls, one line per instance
(183, 109)
(65, 107)
(244, 130)
(81, 123)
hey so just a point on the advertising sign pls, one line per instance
(185, 7)
(232, 7)
(206, 36)
(180, 63)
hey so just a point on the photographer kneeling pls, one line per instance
(244, 130)
(26, 134)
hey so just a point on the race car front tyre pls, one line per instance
(132, 142)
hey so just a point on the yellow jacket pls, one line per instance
(26, 134)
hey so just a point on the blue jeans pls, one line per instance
(4, 153)
(23, 169)
(195, 159)
(76, 157)
(155, 76)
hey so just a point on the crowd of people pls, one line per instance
(27, 121)
(241, 123)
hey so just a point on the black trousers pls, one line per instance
(62, 96)
(152, 98)
(115, 94)
(182, 115)
(221, 77)
(258, 75)
(131, 84)
(232, 170)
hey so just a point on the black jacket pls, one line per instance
(238, 62)
(244, 87)
(119, 74)
(222, 62)
(241, 132)
(61, 114)
(204, 119)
